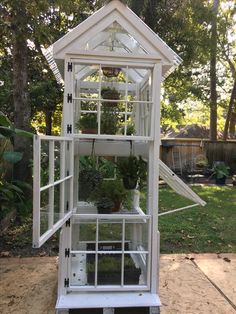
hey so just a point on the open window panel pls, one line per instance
(179, 187)
(53, 185)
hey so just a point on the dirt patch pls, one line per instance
(29, 285)
(16, 241)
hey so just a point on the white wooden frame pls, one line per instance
(117, 63)
(65, 213)
(122, 218)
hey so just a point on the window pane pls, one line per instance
(135, 269)
(109, 269)
(44, 211)
(82, 274)
(110, 231)
(84, 236)
(44, 159)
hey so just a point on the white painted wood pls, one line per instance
(108, 310)
(153, 183)
(178, 185)
(36, 190)
(107, 299)
(51, 181)
(122, 14)
(114, 58)
(38, 237)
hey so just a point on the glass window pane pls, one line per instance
(44, 211)
(44, 159)
(86, 117)
(57, 160)
(136, 234)
(86, 81)
(135, 269)
(82, 269)
(109, 269)
(84, 236)
(110, 231)
(57, 196)
(115, 38)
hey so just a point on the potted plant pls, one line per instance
(109, 270)
(104, 205)
(110, 111)
(87, 123)
(133, 170)
(89, 177)
(110, 93)
(220, 171)
(112, 190)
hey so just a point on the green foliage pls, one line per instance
(132, 170)
(11, 192)
(220, 170)
(111, 263)
(201, 229)
(87, 121)
(110, 189)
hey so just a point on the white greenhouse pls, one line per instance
(112, 66)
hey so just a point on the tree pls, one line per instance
(213, 74)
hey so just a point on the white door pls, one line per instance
(53, 185)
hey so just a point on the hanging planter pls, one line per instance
(110, 71)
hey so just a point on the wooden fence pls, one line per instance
(191, 155)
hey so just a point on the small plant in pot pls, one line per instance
(133, 171)
(112, 190)
(87, 123)
(110, 111)
(220, 171)
(104, 205)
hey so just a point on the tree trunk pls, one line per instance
(232, 105)
(22, 109)
(48, 118)
(213, 78)
(232, 124)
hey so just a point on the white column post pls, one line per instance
(154, 151)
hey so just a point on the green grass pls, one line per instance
(201, 229)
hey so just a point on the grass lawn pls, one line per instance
(201, 229)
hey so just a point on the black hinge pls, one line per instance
(66, 283)
(69, 98)
(68, 173)
(67, 252)
(69, 68)
(68, 223)
(69, 128)
(67, 205)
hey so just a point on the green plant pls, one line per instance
(133, 170)
(87, 121)
(11, 192)
(110, 111)
(89, 179)
(220, 170)
(110, 93)
(104, 205)
(112, 190)
(111, 263)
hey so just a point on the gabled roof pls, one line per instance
(94, 27)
